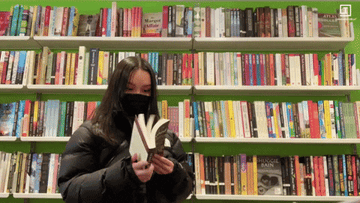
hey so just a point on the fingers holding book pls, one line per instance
(162, 165)
(143, 170)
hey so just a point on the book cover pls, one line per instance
(4, 22)
(269, 175)
(151, 24)
(328, 25)
(148, 138)
(7, 116)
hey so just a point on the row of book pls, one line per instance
(292, 21)
(22, 172)
(325, 119)
(94, 67)
(173, 21)
(55, 118)
(243, 174)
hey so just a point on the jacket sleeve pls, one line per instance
(81, 179)
(178, 185)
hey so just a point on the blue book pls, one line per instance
(251, 70)
(236, 80)
(38, 173)
(222, 102)
(20, 118)
(150, 60)
(290, 117)
(232, 19)
(341, 70)
(190, 23)
(342, 120)
(108, 24)
(18, 26)
(321, 119)
(7, 119)
(258, 70)
(14, 20)
(52, 31)
(211, 116)
(200, 118)
(71, 21)
(345, 176)
(21, 67)
(196, 118)
(156, 62)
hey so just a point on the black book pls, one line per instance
(249, 22)
(175, 69)
(164, 68)
(93, 66)
(179, 68)
(221, 175)
(160, 70)
(121, 21)
(44, 173)
(297, 21)
(53, 69)
(242, 23)
(69, 133)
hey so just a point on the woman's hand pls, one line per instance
(162, 165)
(142, 169)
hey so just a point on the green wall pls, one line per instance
(93, 6)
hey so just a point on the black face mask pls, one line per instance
(134, 104)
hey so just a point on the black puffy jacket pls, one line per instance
(93, 171)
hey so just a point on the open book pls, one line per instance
(148, 138)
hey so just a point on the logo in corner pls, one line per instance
(345, 10)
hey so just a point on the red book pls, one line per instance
(311, 118)
(140, 21)
(133, 22)
(321, 176)
(254, 69)
(104, 22)
(283, 68)
(262, 70)
(76, 67)
(272, 69)
(5, 64)
(125, 23)
(291, 21)
(4, 22)
(57, 72)
(129, 24)
(190, 65)
(316, 120)
(247, 74)
(196, 67)
(316, 176)
(47, 21)
(165, 21)
(65, 22)
(355, 175)
(184, 69)
(316, 68)
(207, 117)
(26, 119)
(208, 21)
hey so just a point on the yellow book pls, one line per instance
(164, 109)
(186, 118)
(106, 68)
(255, 172)
(327, 119)
(72, 69)
(276, 125)
(227, 116)
(33, 21)
(218, 118)
(328, 69)
(75, 23)
(100, 72)
(231, 119)
(44, 64)
(201, 68)
(22, 173)
(347, 73)
(250, 175)
(67, 68)
(243, 174)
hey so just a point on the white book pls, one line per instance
(310, 22)
(58, 21)
(278, 69)
(49, 68)
(81, 63)
(121, 56)
(15, 67)
(280, 26)
(197, 173)
(42, 22)
(307, 70)
(181, 119)
(217, 69)
(228, 68)
(57, 110)
(51, 173)
(47, 118)
(201, 68)
(326, 175)
(258, 119)
(62, 67)
(2, 60)
(286, 124)
(239, 68)
(312, 74)
(29, 55)
(239, 121)
(297, 70)
(315, 23)
(131, 53)
(203, 24)
(236, 118)
(304, 20)
(292, 68)
(335, 64)
(306, 118)
(10, 65)
(332, 119)
(2, 170)
(358, 76)
(217, 22)
(51, 19)
(353, 66)
(75, 116)
(210, 76)
(113, 18)
(222, 22)
(28, 78)
(54, 118)
(244, 109)
(197, 21)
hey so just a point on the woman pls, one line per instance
(96, 165)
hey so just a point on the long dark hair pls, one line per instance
(110, 106)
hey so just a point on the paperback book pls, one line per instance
(269, 175)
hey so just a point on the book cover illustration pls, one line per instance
(4, 22)
(87, 25)
(151, 24)
(7, 119)
(269, 175)
(148, 138)
(329, 25)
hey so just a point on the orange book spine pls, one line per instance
(297, 176)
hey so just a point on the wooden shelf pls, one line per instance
(275, 90)
(18, 43)
(117, 43)
(277, 198)
(37, 195)
(7, 139)
(4, 195)
(277, 140)
(44, 139)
